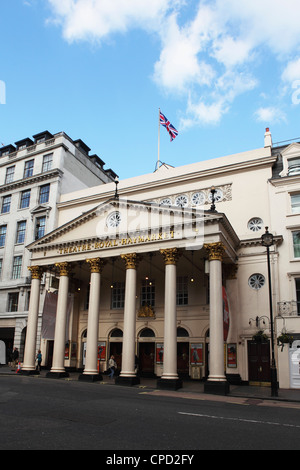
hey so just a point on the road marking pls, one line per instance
(253, 421)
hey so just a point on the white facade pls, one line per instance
(34, 173)
(152, 297)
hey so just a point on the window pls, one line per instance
(256, 281)
(44, 194)
(17, 267)
(47, 162)
(182, 290)
(25, 199)
(294, 167)
(148, 293)
(295, 203)
(1, 264)
(296, 244)
(21, 230)
(13, 300)
(28, 169)
(117, 295)
(6, 204)
(298, 295)
(9, 174)
(255, 224)
(3, 229)
(40, 227)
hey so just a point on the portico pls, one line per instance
(112, 244)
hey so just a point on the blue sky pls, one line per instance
(220, 70)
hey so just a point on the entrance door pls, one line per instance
(115, 349)
(146, 359)
(183, 359)
(259, 362)
(49, 358)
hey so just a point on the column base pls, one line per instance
(56, 375)
(216, 387)
(29, 372)
(169, 384)
(90, 378)
(127, 381)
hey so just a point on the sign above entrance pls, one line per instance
(78, 247)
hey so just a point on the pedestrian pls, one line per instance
(39, 360)
(112, 365)
(15, 357)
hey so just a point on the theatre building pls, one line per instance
(169, 269)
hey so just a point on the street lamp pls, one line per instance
(267, 240)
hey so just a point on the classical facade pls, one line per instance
(34, 174)
(169, 269)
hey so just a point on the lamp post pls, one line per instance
(267, 240)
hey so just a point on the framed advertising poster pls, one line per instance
(102, 351)
(231, 355)
(196, 354)
(159, 353)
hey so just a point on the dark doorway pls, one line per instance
(259, 362)
(115, 349)
(49, 357)
(146, 359)
(183, 359)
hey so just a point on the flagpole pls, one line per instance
(158, 156)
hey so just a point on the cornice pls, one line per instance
(31, 180)
(156, 183)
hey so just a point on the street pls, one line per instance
(48, 414)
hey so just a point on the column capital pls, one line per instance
(131, 260)
(36, 272)
(64, 268)
(215, 251)
(170, 255)
(96, 264)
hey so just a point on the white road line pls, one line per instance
(253, 421)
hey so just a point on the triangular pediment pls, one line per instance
(117, 219)
(292, 150)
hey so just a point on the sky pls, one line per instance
(221, 71)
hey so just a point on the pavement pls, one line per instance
(190, 387)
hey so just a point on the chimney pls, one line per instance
(268, 138)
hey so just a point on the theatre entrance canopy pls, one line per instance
(121, 226)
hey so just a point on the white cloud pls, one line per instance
(292, 71)
(97, 19)
(270, 115)
(212, 57)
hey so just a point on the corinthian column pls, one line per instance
(91, 372)
(216, 382)
(32, 322)
(128, 375)
(169, 378)
(58, 364)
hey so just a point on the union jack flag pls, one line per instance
(170, 128)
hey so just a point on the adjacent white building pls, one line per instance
(34, 174)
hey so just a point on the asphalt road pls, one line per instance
(46, 414)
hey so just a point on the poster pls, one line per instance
(102, 351)
(159, 353)
(196, 354)
(231, 355)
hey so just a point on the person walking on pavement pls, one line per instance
(39, 360)
(112, 365)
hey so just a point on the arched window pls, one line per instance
(117, 333)
(182, 332)
(147, 333)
